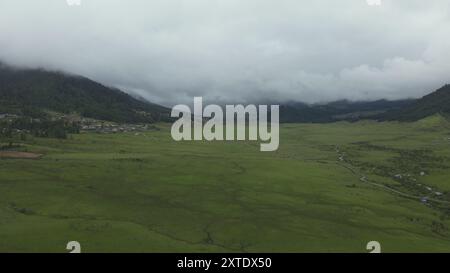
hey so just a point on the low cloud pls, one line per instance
(232, 50)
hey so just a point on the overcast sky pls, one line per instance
(169, 51)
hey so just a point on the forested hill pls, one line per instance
(337, 111)
(437, 102)
(31, 92)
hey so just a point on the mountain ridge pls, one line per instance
(31, 91)
(437, 102)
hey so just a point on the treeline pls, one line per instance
(294, 112)
(22, 127)
(437, 102)
(32, 92)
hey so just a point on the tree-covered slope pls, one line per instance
(32, 91)
(437, 102)
(338, 110)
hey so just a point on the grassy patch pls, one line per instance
(147, 193)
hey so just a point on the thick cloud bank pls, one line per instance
(237, 50)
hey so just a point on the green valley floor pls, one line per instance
(329, 188)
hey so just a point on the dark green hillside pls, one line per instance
(338, 110)
(437, 102)
(31, 92)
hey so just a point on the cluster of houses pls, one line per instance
(88, 124)
(111, 128)
(104, 127)
(424, 199)
(8, 116)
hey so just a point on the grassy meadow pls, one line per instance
(329, 188)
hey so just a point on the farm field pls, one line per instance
(329, 188)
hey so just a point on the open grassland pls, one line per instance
(329, 188)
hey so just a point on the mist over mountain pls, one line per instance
(32, 92)
(169, 51)
(338, 110)
(437, 102)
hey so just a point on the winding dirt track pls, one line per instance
(364, 179)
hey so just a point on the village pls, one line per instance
(111, 128)
(85, 124)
